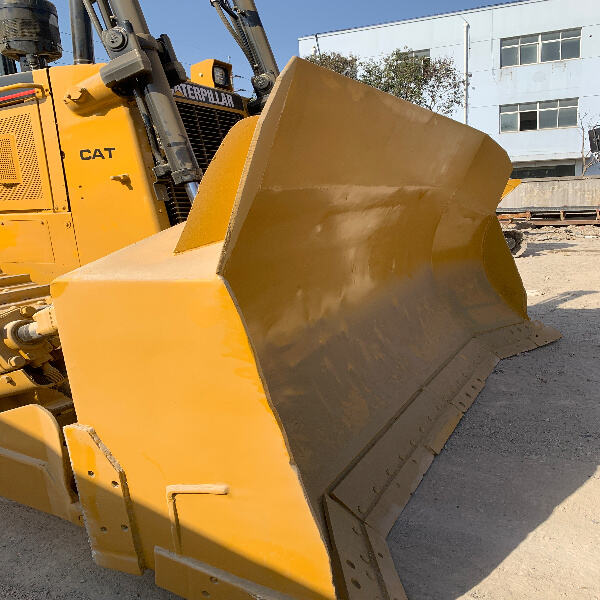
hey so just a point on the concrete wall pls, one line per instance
(560, 193)
(490, 85)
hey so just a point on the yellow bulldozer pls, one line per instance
(235, 332)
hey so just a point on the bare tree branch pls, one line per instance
(588, 158)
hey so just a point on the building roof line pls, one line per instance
(425, 18)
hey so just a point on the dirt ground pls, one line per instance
(509, 510)
(511, 507)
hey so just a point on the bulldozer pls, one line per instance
(236, 331)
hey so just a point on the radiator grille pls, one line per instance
(30, 186)
(178, 204)
(206, 128)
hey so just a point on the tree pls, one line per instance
(399, 74)
(588, 158)
(340, 63)
(433, 83)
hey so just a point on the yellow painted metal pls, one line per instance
(203, 73)
(34, 467)
(33, 462)
(46, 147)
(88, 150)
(107, 213)
(77, 135)
(104, 497)
(90, 96)
(73, 134)
(195, 580)
(511, 184)
(196, 424)
(294, 375)
(41, 244)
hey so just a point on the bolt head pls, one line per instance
(16, 361)
(115, 38)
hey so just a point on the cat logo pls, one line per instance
(103, 153)
(206, 95)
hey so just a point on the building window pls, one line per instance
(540, 47)
(541, 171)
(547, 114)
(418, 53)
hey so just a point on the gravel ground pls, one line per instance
(509, 510)
(511, 507)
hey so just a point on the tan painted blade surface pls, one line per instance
(366, 259)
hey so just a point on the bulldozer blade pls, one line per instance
(263, 388)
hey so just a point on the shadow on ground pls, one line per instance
(531, 440)
(42, 556)
(538, 248)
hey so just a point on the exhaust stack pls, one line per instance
(81, 32)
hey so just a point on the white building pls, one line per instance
(534, 72)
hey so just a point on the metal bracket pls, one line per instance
(173, 491)
(195, 580)
(104, 496)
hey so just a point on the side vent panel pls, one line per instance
(24, 181)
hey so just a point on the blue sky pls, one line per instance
(197, 32)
